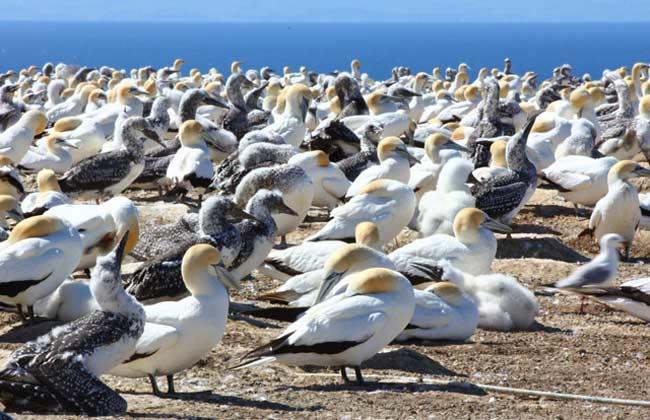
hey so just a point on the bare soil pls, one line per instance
(601, 352)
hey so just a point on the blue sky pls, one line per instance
(330, 10)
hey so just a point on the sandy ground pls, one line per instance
(601, 352)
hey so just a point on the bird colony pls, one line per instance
(376, 207)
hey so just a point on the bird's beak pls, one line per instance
(241, 214)
(454, 145)
(328, 284)
(211, 100)
(153, 135)
(641, 171)
(229, 281)
(405, 153)
(283, 208)
(16, 214)
(496, 226)
(68, 143)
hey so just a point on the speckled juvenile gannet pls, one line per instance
(38, 255)
(100, 226)
(632, 297)
(346, 329)
(618, 211)
(291, 181)
(503, 303)
(48, 195)
(471, 249)
(504, 196)
(388, 204)
(437, 209)
(178, 334)
(330, 183)
(309, 256)
(394, 163)
(442, 312)
(58, 372)
(15, 140)
(580, 179)
(354, 165)
(191, 168)
(52, 156)
(111, 173)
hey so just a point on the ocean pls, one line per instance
(323, 47)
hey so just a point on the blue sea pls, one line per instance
(326, 46)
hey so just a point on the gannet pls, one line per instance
(9, 110)
(191, 167)
(330, 183)
(84, 134)
(581, 141)
(503, 303)
(504, 196)
(438, 151)
(346, 329)
(618, 211)
(394, 163)
(309, 256)
(100, 226)
(291, 124)
(178, 334)
(437, 209)
(498, 165)
(10, 180)
(52, 156)
(387, 203)
(442, 312)
(112, 172)
(353, 165)
(9, 206)
(580, 179)
(72, 106)
(15, 140)
(161, 278)
(295, 186)
(471, 249)
(642, 125)
(632, 297)
(48, 195)
(38, 255)
(58, 372)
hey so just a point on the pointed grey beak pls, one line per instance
(455, 146)
(211, 100)
(228, 280)
(153, 135)
(16, 214)
(241, 214)
(283, 208)
(641, 171)
(328, 284)
(68, 143)
(412, 159)
(496, 226)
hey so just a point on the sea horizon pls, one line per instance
(589, 47)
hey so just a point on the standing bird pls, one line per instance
(347, 329)
(15, 140)
(191, 168)
(330, 183)
(110, 173)
(59, 372)
(39, 254)
(618, 211)
(178, 334)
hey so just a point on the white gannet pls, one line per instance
(471, 249)
(72, 106)
(580, 179)
(10, 180)
(618, 211)
(111, 173)
(48, 195)
(84, 134)
(191, 167)
(38, 255)
(100, 226)
(330, 183)
(437, 209)
(632, 297)
(293, 183)
(581, 141)
(442, 312)
(503, 303)
(178, 334)
(498, 165)
(59, 372)
(438, 150)
(290, 125)
(394, 163)
(51, 156)
(387, 203)
(15, 140)
(309, 256)
(346, 329)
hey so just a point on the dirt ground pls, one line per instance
(601, 353)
